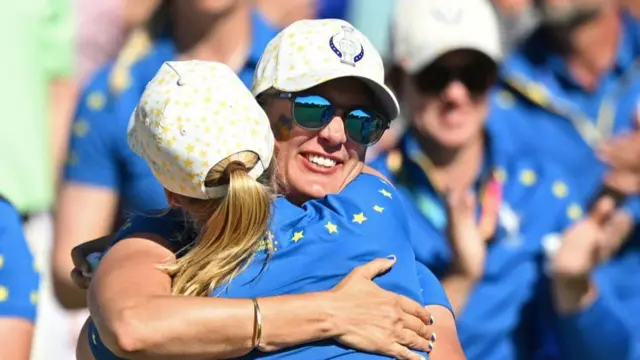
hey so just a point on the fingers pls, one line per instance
(602, 209)
(79, 279)
(415, 342)
(412, 308)
(403, 353)
(375, 267)
(626, 182)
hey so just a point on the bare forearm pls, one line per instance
(68, 294)
(458, 288)
(213, 328)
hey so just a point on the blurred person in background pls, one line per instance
(18, 287)
(102, 176)
(517, 18)
(101, 29)
(37, 96)
(574, 83)
(484, 214)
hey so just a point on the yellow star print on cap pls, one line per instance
(182, 100)
(310, 52)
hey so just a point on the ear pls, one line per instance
(172, 199)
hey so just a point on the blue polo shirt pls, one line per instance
(537, 203)
(19, 278)
(542, 109)
(98, 153)
(313, 248)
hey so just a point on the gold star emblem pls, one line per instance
(359, 218)
(574, 211)
(80, 128)
(500, 175)
(188, 163)
(297, 236)
(528, 177)
(1, 261)
(4, 294)
(333, 228)
(560, 189)
(385, 193)
(379, 209)
(96, 101)
(33, 297)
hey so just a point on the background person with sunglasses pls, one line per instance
(321, 83)
(480, 210)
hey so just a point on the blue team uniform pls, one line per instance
(536, 204)
(543, 110)
(314, 247)
(19, 278)
(98, 152)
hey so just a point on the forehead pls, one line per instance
(345, 92)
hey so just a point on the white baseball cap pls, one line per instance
(192, 115)
(310, 52)
(424, 30)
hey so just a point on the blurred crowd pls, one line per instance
(561, 83)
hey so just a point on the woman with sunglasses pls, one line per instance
(488, 221)
(323, 118)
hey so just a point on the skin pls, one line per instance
(201, 31)
(356, 313)
(15, 338)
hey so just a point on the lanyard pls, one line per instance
(489, 199)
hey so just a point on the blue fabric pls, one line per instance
(98, 153)
(538, 201)
(534, 84)
(364, 222)
(19, 278)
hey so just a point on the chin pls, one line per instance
(454, 140)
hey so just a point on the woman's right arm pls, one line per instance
(138, 318)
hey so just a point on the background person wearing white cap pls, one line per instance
(483, 213)
(316, 128)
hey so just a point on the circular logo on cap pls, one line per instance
(345, 45)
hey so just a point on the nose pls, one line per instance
(334, 133)
(456, 92)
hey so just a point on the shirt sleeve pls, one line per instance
(432, 291)
(92, 158)
(19, 278)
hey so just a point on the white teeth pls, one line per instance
(321, 161)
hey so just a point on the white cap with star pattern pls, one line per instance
(192, 115)
(310, 52)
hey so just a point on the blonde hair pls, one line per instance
(232, 228)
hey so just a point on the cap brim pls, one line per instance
(428, 56)
(384, 95)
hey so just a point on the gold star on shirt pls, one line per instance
(377, 208)
(80, 128)
(333, 228)
(33, 297)
(297, 236)
(96, 101)
(528, 177)
(4, 294)
(574, 211)
(359, 218)
(560, 189)
(1, 261)
(385, 193)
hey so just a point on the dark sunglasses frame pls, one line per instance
(477, 76)
(346, 111)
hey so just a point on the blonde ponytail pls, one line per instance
(232, 227)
